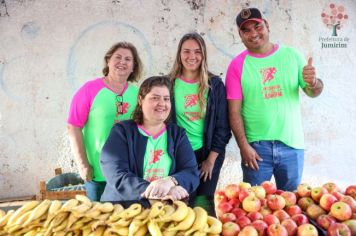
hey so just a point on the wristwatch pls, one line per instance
(174, 180)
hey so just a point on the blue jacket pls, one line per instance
(217, 131)
(122, 159)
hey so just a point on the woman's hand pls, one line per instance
(85, 172)
(158, 188)
(207, 166)
(176, 193)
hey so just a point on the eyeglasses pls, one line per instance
(119, 104)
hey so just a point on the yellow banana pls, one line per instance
(92, 213)
(201, 217)
(58, 219)
(22, 219)
(169, 233)
(199, 233)
(26, 207)
(62, 233)
(180, 213)
(86, 231)
(80, 223)
(2, 213)
(106, 207)
(71, 220)
(156, 210)
(98, 231)
(168, 211)
(32, 232)
(153, 228)
(134, 227)
(69, 205)
(118, 208)
(61, 226)
(80, 210)
(12, 228)
(52, 211)
(131, 212)
(84, 199)
(39, 211)
(215, 225)
(102, 217)
(143, 215)
(142, 230)
(122, 222)
(5, 218)
(186, 223)
(124, 231)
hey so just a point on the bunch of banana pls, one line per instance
(80, 216)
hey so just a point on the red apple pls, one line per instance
(227, 217)
(279, 192)
(230, 229)
(244, 185)
(269, 186)
(341, 211)
(244, 193)
(293, 210)
(338, 195)
(339, 229)
(219, 196)
(281, 215)
(351, 191)
(259, 191)
(251, 204)
(225, 207)
(265, 210)
(290, 197)
(275, 202)
(325, 221)
(277, 230)
(304, 190)
(261, 227)
(248, 231)
(331, 187)
(317, 192)
(307, 230)
(352, 226)
(232, 191)
(290, 226)
(271, 219)
(242, 221)
(304, 202)
(234, 202)
(327, 200)
(313, 211)
(238, 212)
(349, 201)
(253, 216)
(300, 219)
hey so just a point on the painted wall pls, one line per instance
(48, 48)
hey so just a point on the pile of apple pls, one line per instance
(330, 207)
(265, 210)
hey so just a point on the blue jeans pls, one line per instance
(94, 190)
(280, 160)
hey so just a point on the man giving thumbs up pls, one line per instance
(262, 85)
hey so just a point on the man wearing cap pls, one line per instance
(262, 85)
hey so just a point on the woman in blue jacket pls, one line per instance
(200, 107)
(148, 157)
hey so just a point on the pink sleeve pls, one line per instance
(233, 77)
(82, 101)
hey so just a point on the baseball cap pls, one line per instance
(247, 14)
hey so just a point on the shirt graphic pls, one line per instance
(156, 156)
(268, 74)
(190, 100)
(122, 108)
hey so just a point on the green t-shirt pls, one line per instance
(157, 162)
(270, 105)
(102, 116)
(187, 111)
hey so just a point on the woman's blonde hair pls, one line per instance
(137, 67)
(204, 74)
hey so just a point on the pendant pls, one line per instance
(119, 108)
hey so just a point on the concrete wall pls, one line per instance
(48, 48)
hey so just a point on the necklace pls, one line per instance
(119, 104)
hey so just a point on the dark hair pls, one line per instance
(145, 88)
(137, 67)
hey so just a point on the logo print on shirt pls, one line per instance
(156, 156)
(122, 108)
(268, 74)
(190, 100)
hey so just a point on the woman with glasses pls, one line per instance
(200, 107)
(146, 157)
(97, 106)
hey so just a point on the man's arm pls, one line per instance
(248, 155)
(314, 85)
(77, 145)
